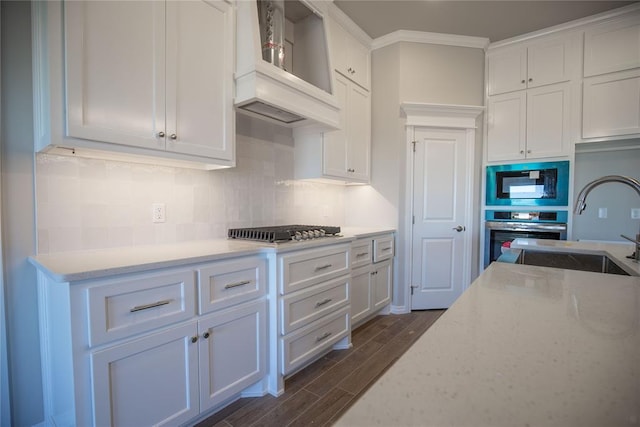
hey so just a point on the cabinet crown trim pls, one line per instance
(447, 115)
(576, 24)
(430, 38)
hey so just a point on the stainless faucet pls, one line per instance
(582, 197)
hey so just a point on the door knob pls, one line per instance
(459, 228)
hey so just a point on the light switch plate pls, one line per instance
(635, 213)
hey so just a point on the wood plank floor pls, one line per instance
(320, 393)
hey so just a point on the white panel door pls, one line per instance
(507, 123)
(148, 381)
(611, 105)
(548, 121)
(233, 351)
(549, 62)
(359, 135)
(335, 142)
(200, 66)
(507, 71)
(441, 180)
(115, 75)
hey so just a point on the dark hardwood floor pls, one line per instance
(320, 393)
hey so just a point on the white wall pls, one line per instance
(619, 199)
(18, 230)
(408, 72)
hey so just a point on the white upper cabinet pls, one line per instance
(538, 64)
(351, 58)
(529, 124)
(612, 46)
(150, 78)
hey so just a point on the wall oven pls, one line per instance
(505, 226)
(528, 184)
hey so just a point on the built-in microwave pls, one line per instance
(528, 184)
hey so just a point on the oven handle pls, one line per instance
(524, 226)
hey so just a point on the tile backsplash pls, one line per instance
(93, 204)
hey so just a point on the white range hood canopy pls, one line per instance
(302, 95)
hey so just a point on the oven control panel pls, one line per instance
(527, 216)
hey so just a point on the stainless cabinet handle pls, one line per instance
(521, 151)
(194, 339)
(173, 136)
(388, 248)
(323, 336)
(235, 285)
(530, 79)
(459, 228)
(361, 254)
(529, 151)
(152, 305)
(160, 134)
(523, 81)
(323, 302)
(206, 335)
(323, 267)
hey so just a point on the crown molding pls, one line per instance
(430, 38)
(441, 115)
(576, 24)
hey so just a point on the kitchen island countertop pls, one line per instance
(523, 346)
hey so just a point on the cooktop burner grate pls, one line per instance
(283, 233)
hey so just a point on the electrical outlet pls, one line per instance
(635, 213)
(158, 212)
(602, 212)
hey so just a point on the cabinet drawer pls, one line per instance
(361, 253)
(120, 309)
(306, 268)
(301, 308)
(302, 345)
(226, 283)
(382, 248)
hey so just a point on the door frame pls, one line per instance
(435, 117)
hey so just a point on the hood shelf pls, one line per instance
(301, 98)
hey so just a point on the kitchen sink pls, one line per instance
(571, 261)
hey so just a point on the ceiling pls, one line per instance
(495, 20)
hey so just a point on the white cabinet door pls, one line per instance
(507, 126)
(612, 46)
(549, 62)
(382, 281)
(200, 66)
(611, 106)
(361, 296)
(507, 71)
(148, 381)
(548, 121)
(334, 149)
(359, 134)
(233, 351)
(350, 57)
(115, 75)
(346, 152)
(545, 62)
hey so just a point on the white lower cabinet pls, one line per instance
(134, 350)
(372, 280)
(232, 346)
(148, 381)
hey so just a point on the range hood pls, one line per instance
(294, 89)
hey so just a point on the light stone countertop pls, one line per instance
(523, 346)
(94, 264)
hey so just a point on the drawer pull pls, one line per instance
(388, 248)
(361, 254)
(323, 336)
(235, 285)
(323, 302)
(323, 267)
(152, 305)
